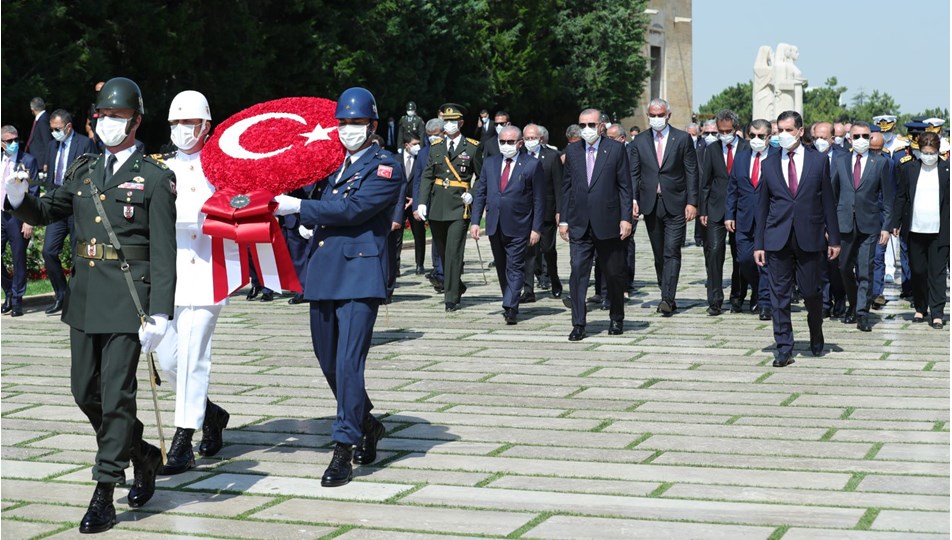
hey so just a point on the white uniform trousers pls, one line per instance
(185, 354)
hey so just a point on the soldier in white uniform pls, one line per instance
(186, 352)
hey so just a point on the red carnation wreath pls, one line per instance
(267, 149)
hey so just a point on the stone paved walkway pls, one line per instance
(677, 429)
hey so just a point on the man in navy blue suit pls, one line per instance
(796, 214)
(434, 132)
(861, 182)
(511, 189)
(834, 294)
(15, 162)
(402, 211)
(350, 213)
(62, 151)
(740, 214)
(596, 218)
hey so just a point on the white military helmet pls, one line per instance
(189, 104)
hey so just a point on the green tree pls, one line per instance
(738, 98)
(823, 104)
(866, 106)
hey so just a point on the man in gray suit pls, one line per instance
(860, 178)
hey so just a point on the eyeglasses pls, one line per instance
(857, 136)
(508, 141)
(762, 136)
(584, 125)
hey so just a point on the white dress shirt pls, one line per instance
(797, 161)
(925, 207)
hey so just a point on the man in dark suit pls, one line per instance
(490, 144)
(16, 163)
(664, 174)
(434, 130)
(350, 212)
(715, 172)
(402, 210)
(834, 293)
(38, 141)
(545, 250)
(861, 179)
(65, 147)
(511, 190)
(743, 190)
(596, 218)
(485, 128)
(795, 214)
(707, 136)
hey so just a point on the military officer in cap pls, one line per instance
(893, 145)
(411, 127)
(350, 214)
(450, 173)
(123, 205)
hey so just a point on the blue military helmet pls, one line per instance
(356, 102)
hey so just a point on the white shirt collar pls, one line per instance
(121, 156)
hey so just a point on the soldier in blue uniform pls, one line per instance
(349, 212)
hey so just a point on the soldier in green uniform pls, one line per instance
(137, 197)
(411, 127)
(451, 171)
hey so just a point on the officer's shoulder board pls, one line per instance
(80, 161)
(158, 160)
(474, 142)
(905, 159)
(437, 141)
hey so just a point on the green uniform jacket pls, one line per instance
(98, 300)
(443, 203)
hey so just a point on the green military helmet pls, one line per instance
(120, 93)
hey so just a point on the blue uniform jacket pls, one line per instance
(351, 222)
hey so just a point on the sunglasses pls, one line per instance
(858, 136)
(592, 125)
(762, 137)
(8, 141)
(508, 141)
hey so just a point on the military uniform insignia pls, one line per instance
(133, 185)
(436, 142)
(138, 180)
(473, 141)
(172, 186)
(385, 171)
(128, 211)
(91, 251)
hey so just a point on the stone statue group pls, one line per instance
(778, 84)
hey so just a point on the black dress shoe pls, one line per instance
(606, 305)
(736, 307)
(918, 318)
(438, 287)
(937, 324)
(510, 315)
(146, 461)
(527, 298)
(816, 348)
(665, 308)
(7, 305)
(17, 310)
(180, 457)
(462, 288)
(783, 360)
(366, 452)
(826, 314)
(862, 323)
(595, 299)
(267, 296)
(420, 270)
(850, 316)
(298, 298)
(340, 471)
(253, 293)
(567, 302)
(216, 420)
(578, 333)
(55, 308)
(101, 513)
(545, 283)
(616, 328)
(450, 306)
(714, 311)
(765, 314)
(839, 309)
(556, 289)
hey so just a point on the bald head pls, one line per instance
(876, 142)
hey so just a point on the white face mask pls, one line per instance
(183, 135)
(451, 128)
(352, 136)
(499, 128)
(590, 135)
(927, 159)
(414, 150)
(726, 139)
(822, 145)
(533, 144)
(411, 113)
(709, 139)
(787, 140)
(508, 151)
(861, 146)
(658, 124)
(433, 138)
(758, 145)
(838, 141)
(888, 136)
(60, 135)
(111, 130)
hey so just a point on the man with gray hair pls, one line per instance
(40, 136)
(15, 163)
(541, 259)
(664, 174)
(434, 131)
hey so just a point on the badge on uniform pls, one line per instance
(91, 251)
(128, 211)
(138, 179)
(385, 171)
(172, 186)
(132, 185)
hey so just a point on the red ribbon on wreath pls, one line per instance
(265, 150)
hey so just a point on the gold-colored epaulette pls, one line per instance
(905, 159)
(436, 142)
(158, 160)
(473, 141)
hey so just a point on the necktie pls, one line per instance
(730, 158)
(110, 164)
(452, 146)
(660, 149)
(755, 176)
(409, 165)
(857, 171)
(60, 164)
(590, 163)
(792, 174)
(30, 138)
(344, 168)
(505, 175)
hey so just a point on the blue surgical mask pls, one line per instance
(775, 141)
(12, 148)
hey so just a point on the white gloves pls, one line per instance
(421, 209)
(287, 205)
(16, 186)
(151, 334)
(467, 198)
(305, 233)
